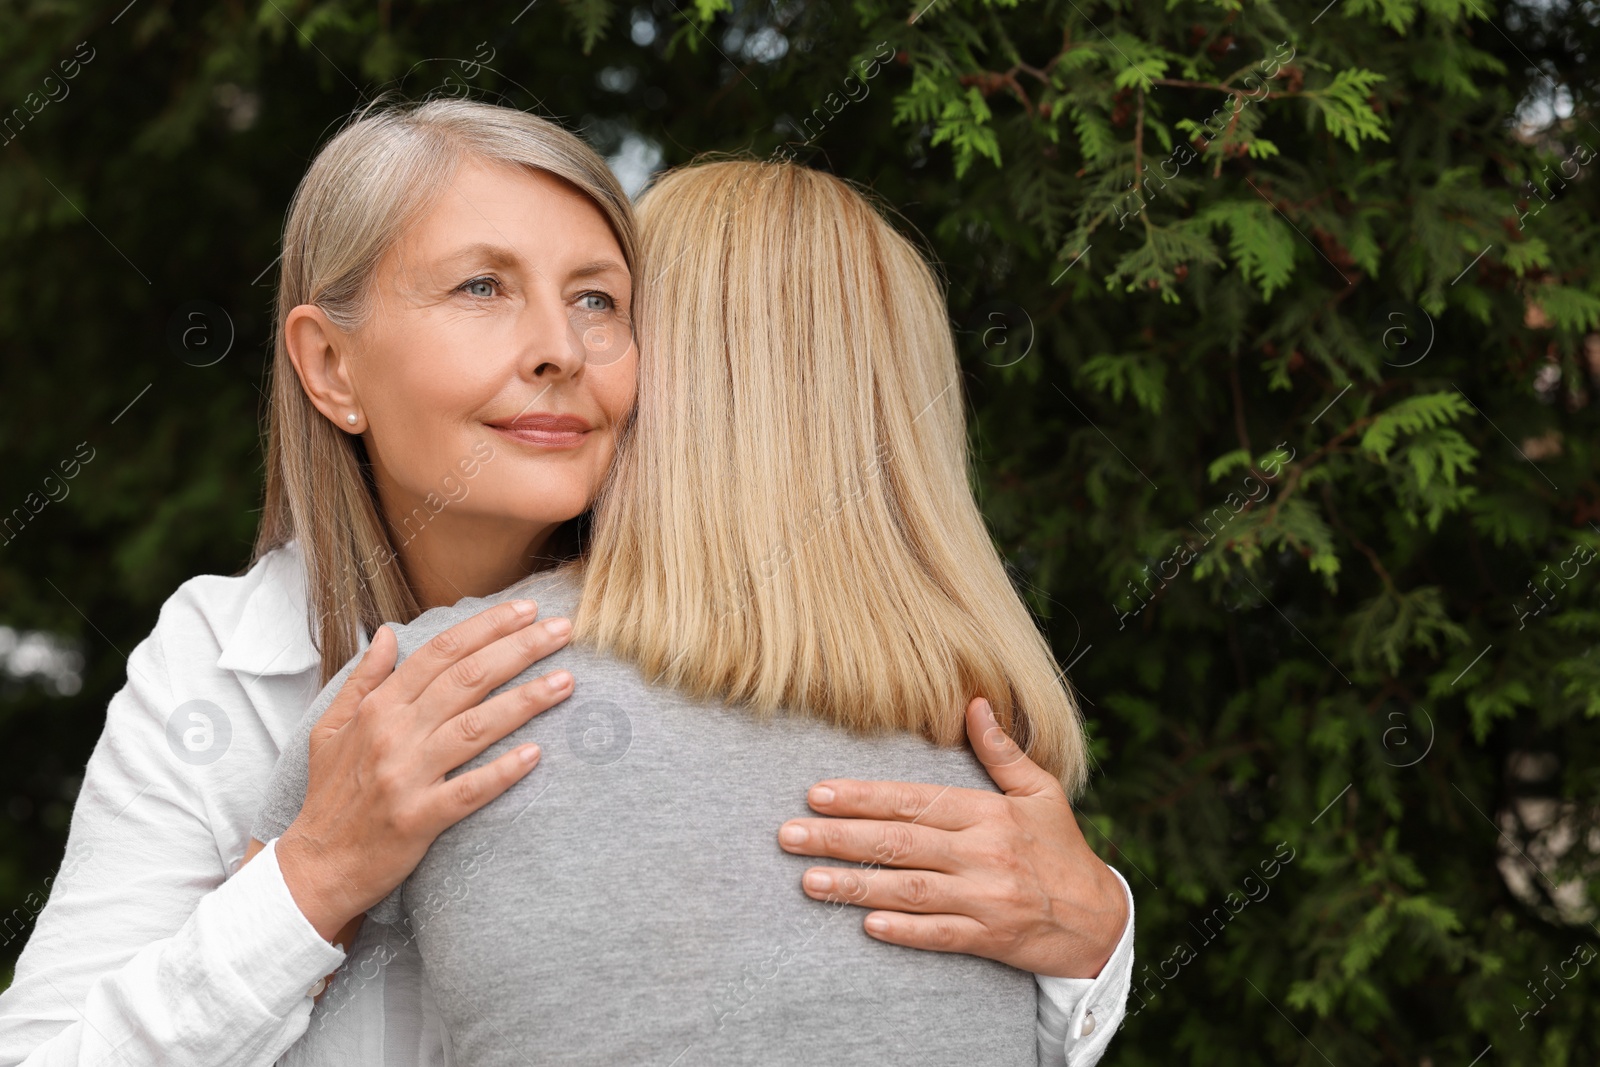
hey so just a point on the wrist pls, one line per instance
(1090, 936)
(1116, 910)
(314, 884)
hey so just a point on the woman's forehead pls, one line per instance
(504, 216)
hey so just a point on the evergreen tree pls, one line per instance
(1281, 327)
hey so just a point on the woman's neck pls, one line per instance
(457, 556)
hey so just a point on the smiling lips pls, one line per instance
(545, 431)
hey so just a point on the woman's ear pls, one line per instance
(320, 352)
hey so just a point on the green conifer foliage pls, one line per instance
(1281, 336)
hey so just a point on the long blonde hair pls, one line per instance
(361, 193)
(789, 521)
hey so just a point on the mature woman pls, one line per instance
(787, 573)
(393, 372)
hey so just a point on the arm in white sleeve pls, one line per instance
(147, 953)
(1078, 1016)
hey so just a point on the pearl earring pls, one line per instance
(352, 418)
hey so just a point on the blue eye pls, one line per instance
(480, 287)
(596, 302)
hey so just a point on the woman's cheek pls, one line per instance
(624, 393)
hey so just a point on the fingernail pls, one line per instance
(530, 754)
(793, 835)
(558, 679)
(524, 607)
(819, 881)
(558, 627)
(822, 794)
(876, 925)
(988, 709)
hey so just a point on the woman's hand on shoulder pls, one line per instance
(378, 795)
(1005, 876)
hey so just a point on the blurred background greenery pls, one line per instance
(1278, 325)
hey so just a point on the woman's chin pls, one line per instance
(541, 504)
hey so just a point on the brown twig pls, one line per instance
(1138, 144)
(1332, 443)
(992, 81)
(1239, 426)
(1372, 557)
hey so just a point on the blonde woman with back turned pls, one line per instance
(787, 574)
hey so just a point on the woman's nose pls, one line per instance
(549, 349)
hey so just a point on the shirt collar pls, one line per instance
(274, 632)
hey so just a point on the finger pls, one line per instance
(1003, 758)
(470, 680)
(445, 650)
(933, 933)
(888, 844)
(940, 806)
(882, 887)
(377, 663)
(458, 797)
(478, 727)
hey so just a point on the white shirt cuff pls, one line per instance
(1083, 1013)
(258, 933)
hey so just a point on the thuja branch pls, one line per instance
(1332, 444)
(1365, 550)
(989, 82)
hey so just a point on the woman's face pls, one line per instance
(497, 364)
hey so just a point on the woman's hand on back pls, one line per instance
(378, 795)
(1004, 876)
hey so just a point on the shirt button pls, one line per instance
(322, 983)
(1088, 1024)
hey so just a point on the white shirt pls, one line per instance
(148, 952)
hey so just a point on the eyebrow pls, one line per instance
(599, 266)
(501, 256)
(496, 255)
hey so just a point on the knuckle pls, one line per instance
(992, 807)
(464, 789)
(407, 821)
(379, 748)
(832, 836)
(1015, 897)
(467, 674)
(470, 725)
(897, 842)
(448, 645)
(916, 891)
(1002, 833)
(906, 803)
(387, 785)
(942, 934)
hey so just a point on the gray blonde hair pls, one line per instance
(363, 190)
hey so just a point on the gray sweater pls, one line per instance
(627, 901)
